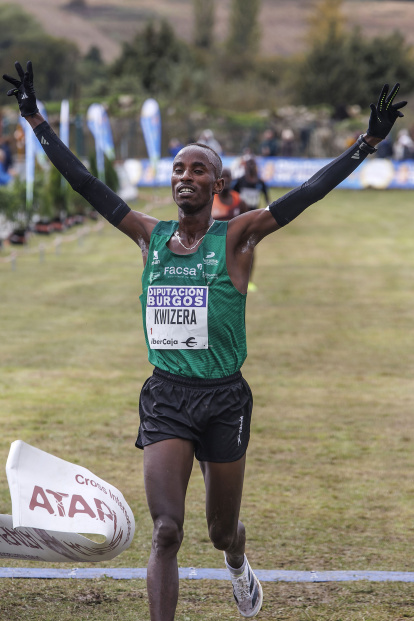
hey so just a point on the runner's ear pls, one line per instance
(218, 186)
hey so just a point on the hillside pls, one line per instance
(106, 23)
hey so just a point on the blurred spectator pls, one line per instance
(207, 137)
(4, 176)
(403, 146)
(251, 186)
(385, 148)
(7, 160)
(174, 146)
(228, 203)
(19, 138)
(269, 146)
(288, 142)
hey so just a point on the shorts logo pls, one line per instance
(240, 431)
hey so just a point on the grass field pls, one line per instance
(329, 481)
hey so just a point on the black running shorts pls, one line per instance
(214, 414)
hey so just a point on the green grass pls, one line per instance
(329, 480)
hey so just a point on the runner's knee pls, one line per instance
(167, 534)
(221, 537)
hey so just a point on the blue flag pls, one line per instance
(98, 123)
(151, 128)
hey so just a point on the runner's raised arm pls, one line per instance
(136, 225)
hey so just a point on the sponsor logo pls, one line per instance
(210, 262)
(171, 270)
(355, 156)
(153, 276)
(43, 140)
(24, 96)
(60, 504)
(164, 342)
(240, 431)
(190, 342)
(155, 259)
(168, 297)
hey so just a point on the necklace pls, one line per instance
(177, 235)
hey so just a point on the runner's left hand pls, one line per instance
(385, 113)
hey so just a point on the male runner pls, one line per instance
(194, 290)
(250, 186)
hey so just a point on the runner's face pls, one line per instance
(193, 180)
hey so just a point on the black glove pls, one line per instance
(385, 113)
(23, 89)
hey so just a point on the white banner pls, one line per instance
(52, 502)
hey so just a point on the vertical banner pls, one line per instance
(64, 122)
(32, 149)
(99, 126)
(64, 131)
(151, 128)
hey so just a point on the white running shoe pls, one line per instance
(247, 591)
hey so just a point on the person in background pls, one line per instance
(250, 186)
(7, 152)
(288, 143)
(403, 148)
(385, 149)
(174, 146)
(228, 203)
(269, 146)
(207, 137)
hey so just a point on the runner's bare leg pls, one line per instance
(167, 469)
(224, 487)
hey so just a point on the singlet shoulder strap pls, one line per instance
(219, 228)
(166, 228)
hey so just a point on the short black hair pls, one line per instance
(213, 157)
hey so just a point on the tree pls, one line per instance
(22, 38)
(155, 63)
(204, 18)
(343, 67)
(243, 41)
(326, 21)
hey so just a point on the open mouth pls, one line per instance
(185, 191)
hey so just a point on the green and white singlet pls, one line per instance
(194, 317)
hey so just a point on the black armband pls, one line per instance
(102, 198)
(291, 205)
